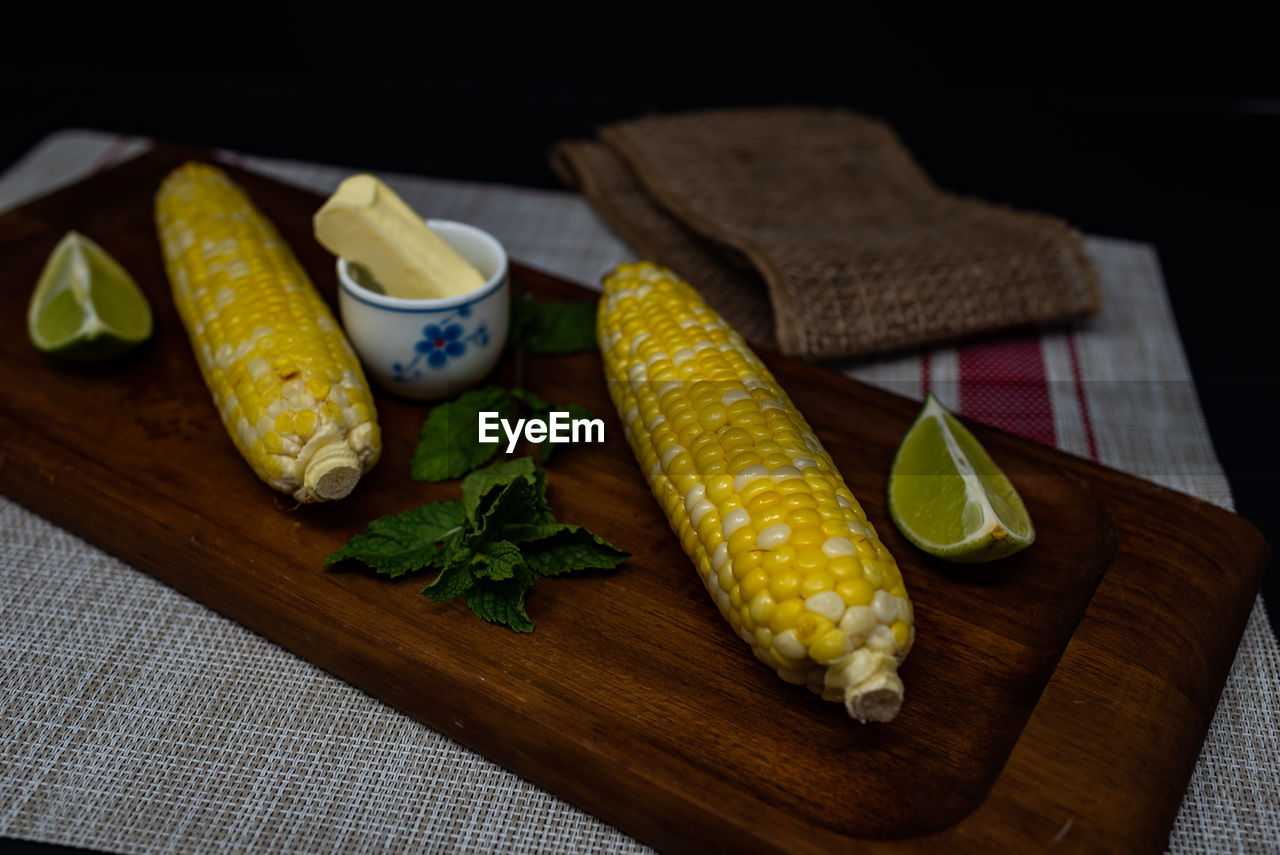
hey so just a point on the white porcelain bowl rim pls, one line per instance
(404, 304)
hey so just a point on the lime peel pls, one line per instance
(949, 498)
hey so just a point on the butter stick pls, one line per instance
(366, 222)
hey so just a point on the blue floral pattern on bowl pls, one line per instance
(440, 342)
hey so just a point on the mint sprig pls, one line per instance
(547, 327)
(489, 547)
(395, 545)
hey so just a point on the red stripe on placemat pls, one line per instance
(1004, 384)
(1081, 401)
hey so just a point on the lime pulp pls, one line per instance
(949, 498)
(85, 305)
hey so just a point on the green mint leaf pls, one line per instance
(499, 560)
(455, 579)
(481, 489)
(522, 502)
(448, 445)
(547, 327)
(402, 543)
(523, 532)
(502, 601)
(562, 328)
(568, 549)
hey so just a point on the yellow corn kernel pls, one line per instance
(780, 560)
(257, 326)
(768, 516)
(843, 566)
(745, 564)
(784, 585)
(810, 626)
(901, 632)
(779, 540)
(318, 388)
(766, 498)
(855, 592)
(272, 442)
(807, 538)
(786, 613)
(761, 605)
(816, 582)
(753, 583)
(719, 487)
(830, 645)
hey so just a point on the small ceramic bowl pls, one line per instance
(428, 349)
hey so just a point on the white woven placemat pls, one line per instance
(136, 720)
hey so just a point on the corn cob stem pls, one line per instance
(332, 471)
(287, 384)
(781, 544)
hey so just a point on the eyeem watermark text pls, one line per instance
(559, 427)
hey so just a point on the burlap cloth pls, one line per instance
(814, 230)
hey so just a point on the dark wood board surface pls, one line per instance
(1059, 697)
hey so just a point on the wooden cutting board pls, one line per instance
(1056, 698)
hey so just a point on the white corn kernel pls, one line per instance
(734, 520)
(885, 607)
(671, 453)
(858, 621)
(699, 510)
(838, 546)
(826, 603)
(747, 475)
(906, 613)
(856, 527)
(775, 535)
(696, 493)
(789, 645)
(881, 639)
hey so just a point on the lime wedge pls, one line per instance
(86, 306)
(948, 497)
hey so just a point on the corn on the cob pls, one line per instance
(286, 382)
(780, 542)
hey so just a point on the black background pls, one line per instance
(1159, 127)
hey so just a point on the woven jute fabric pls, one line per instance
(856, 249)
(724, 277)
